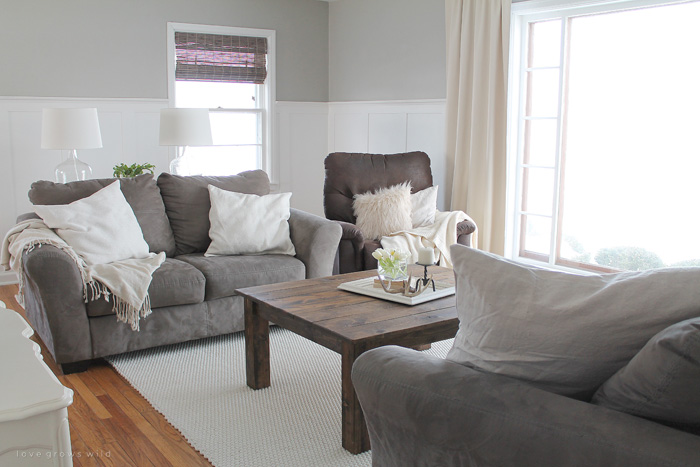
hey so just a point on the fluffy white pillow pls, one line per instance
(243, 224)
(384, 212)
(101, 228)
(424, 205)
(562, 332)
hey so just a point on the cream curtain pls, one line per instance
(477, 67)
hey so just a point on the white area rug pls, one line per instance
(200, 387)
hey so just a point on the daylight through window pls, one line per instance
(608, 155)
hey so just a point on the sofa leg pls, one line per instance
(75, 367)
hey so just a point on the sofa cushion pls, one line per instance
(562, 332)
(243, 224)
(225, 274)
(661, 382)
(101, 228)
(141, 192)
(174, 283)
(187, 203)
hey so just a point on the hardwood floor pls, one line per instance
(110, 423)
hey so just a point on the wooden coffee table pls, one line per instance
(344, 322)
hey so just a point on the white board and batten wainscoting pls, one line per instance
(305, 132)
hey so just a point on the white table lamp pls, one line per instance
(183, 128)
(71, 129)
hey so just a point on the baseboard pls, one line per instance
(7, 278)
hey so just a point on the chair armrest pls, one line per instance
(465, 229)
(53, 299)
(352, 242)
(422, 410)
(316, 242)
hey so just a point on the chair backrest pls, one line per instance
(349, 174)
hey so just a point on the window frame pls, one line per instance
(269, 162)
(522, 14)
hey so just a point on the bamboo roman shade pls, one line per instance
(213, 57)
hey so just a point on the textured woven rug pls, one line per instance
(200, 388)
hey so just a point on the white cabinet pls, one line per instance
(34, 428)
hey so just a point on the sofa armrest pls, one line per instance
(316, 242)
(26, 216)
(53, 296)
(465, 229)
(423, 411)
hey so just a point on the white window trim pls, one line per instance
(270, 162)
(521, 14)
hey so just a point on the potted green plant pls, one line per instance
(123, 170)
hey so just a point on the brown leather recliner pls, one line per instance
(349, 174)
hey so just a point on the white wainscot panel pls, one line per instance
(387, 133)
(425, 132)
(129, 130)
(146, 148)
(350, 132)
(392, 126)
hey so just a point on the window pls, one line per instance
(604, 109)
(230, 71)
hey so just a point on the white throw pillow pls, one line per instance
(384, 212)
(562, 332)
(424, 205)
(101, 228)
(243, 224)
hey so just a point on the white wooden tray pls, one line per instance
(366, 287)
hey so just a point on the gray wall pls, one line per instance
(117, 48)
(387, 50)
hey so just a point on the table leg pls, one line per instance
(355, 436)
(257, 347)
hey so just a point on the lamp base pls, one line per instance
(182, 164)
(72, 169)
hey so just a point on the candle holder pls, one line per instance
(425, 280)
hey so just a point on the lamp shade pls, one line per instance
(70, 129)
(185, 127)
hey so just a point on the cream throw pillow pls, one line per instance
(101, 228)
(424, 205)
(243, 224)
(561, 332)
(384, 212)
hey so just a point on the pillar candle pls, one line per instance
(426, 256)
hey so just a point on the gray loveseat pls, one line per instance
(426, 411)
(547, 369)
(192, 296)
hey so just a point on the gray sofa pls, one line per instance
(547, 369)
(192, 296)
(426, 411)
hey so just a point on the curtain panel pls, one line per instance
(478, 37)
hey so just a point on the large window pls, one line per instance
(604, 110)
(230, 71)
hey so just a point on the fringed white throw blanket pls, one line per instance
(439, 235)
(127, 281)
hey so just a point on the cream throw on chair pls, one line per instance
(439, 235)
(126, 280)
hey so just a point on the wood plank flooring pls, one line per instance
(110, 423)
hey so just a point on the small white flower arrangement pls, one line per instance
(392, 264)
